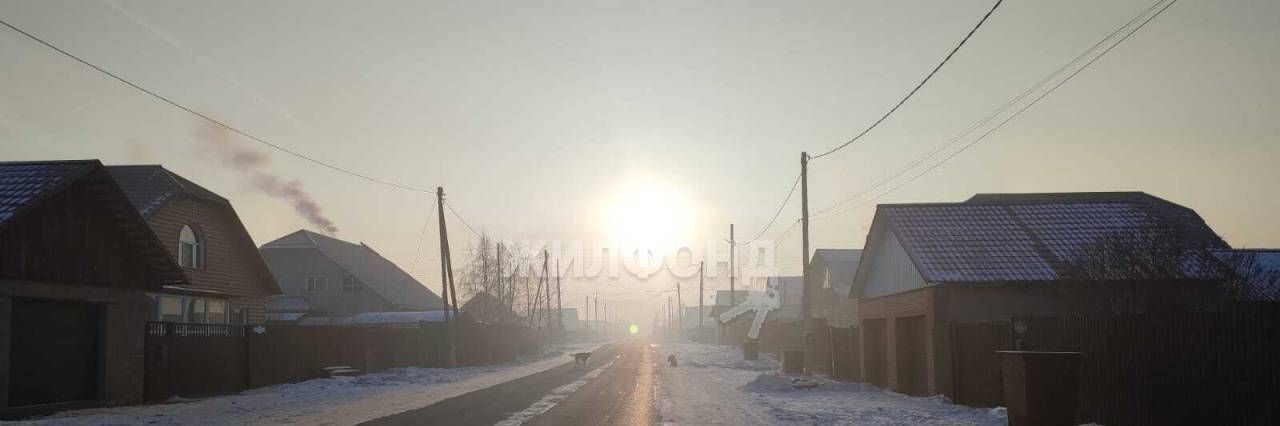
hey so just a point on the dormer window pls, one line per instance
(190, 248)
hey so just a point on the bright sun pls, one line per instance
(649, 215)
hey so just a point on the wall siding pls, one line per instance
(292, 266)
(891, 269)
(229, 251)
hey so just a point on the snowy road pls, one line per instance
(332, 401)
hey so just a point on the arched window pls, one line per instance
(190, 248)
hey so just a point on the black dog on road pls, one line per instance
(581, 358)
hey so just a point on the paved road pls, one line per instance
(621, 394)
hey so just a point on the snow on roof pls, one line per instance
(372, 318)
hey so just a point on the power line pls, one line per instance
(1158, 10)
(915, 89)
(213, 120)
(777, 213)
(464, 221)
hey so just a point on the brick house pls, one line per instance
(76, 261)
(997, 256)
(229, 281)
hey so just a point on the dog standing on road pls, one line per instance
(581, 358)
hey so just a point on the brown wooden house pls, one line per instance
(229, 282)
(76, 261)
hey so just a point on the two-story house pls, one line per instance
(229, 282)
(341, 279)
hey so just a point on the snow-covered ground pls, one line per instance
(329, 401)
(713, 385)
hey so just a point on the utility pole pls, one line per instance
(733, 298)
(586, 312)
(446, 279)
(599, 328)
(546, 277)
(701, 266)
(804, 264)
(679, 308)
(559, 301)
(502, 292)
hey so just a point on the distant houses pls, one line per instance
(76, 263)
(322, 276)
(831, 271)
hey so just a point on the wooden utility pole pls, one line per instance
(447, 292)
(502, 291)
(586, 312)
(733, 298)
(559, 301)
(536, 318)
(599, 328)
(804, 264)
(701, 267)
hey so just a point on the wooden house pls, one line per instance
(76, 262)
(229, 281)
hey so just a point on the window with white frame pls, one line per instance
(351, 285)
(190, 248)
(317, 284)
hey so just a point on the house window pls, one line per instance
(170, 309)
(239, 315)
(216, 312)
(351, 285)
(196, 311)
(190, 248)
(316, 284)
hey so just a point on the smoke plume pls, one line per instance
(253, 164)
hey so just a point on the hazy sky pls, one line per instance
(560, 120)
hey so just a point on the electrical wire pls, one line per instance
(776, 213)
(915, 89)
(1144, 21)
(210, 119)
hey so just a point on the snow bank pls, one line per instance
(714, 386)
(328, 401)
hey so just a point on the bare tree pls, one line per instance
(492, 279)
(1152, 269)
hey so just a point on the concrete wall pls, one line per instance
(124, 313)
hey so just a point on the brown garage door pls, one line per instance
(55, 352)
(912, 368)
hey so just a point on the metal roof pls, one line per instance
(150, 187)
(21, 184)
(376, 272)
(1032, 237)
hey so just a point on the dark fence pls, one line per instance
(194, 360)
(846, 354)
(976, 365)
(1185, 368)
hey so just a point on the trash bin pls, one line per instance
(1040, 387)
(793, 361)
(750, 350)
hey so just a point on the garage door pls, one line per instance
(54, 352)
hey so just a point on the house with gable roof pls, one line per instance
(997, 256)
(336, 278)
(76, 263)
(230, 283)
